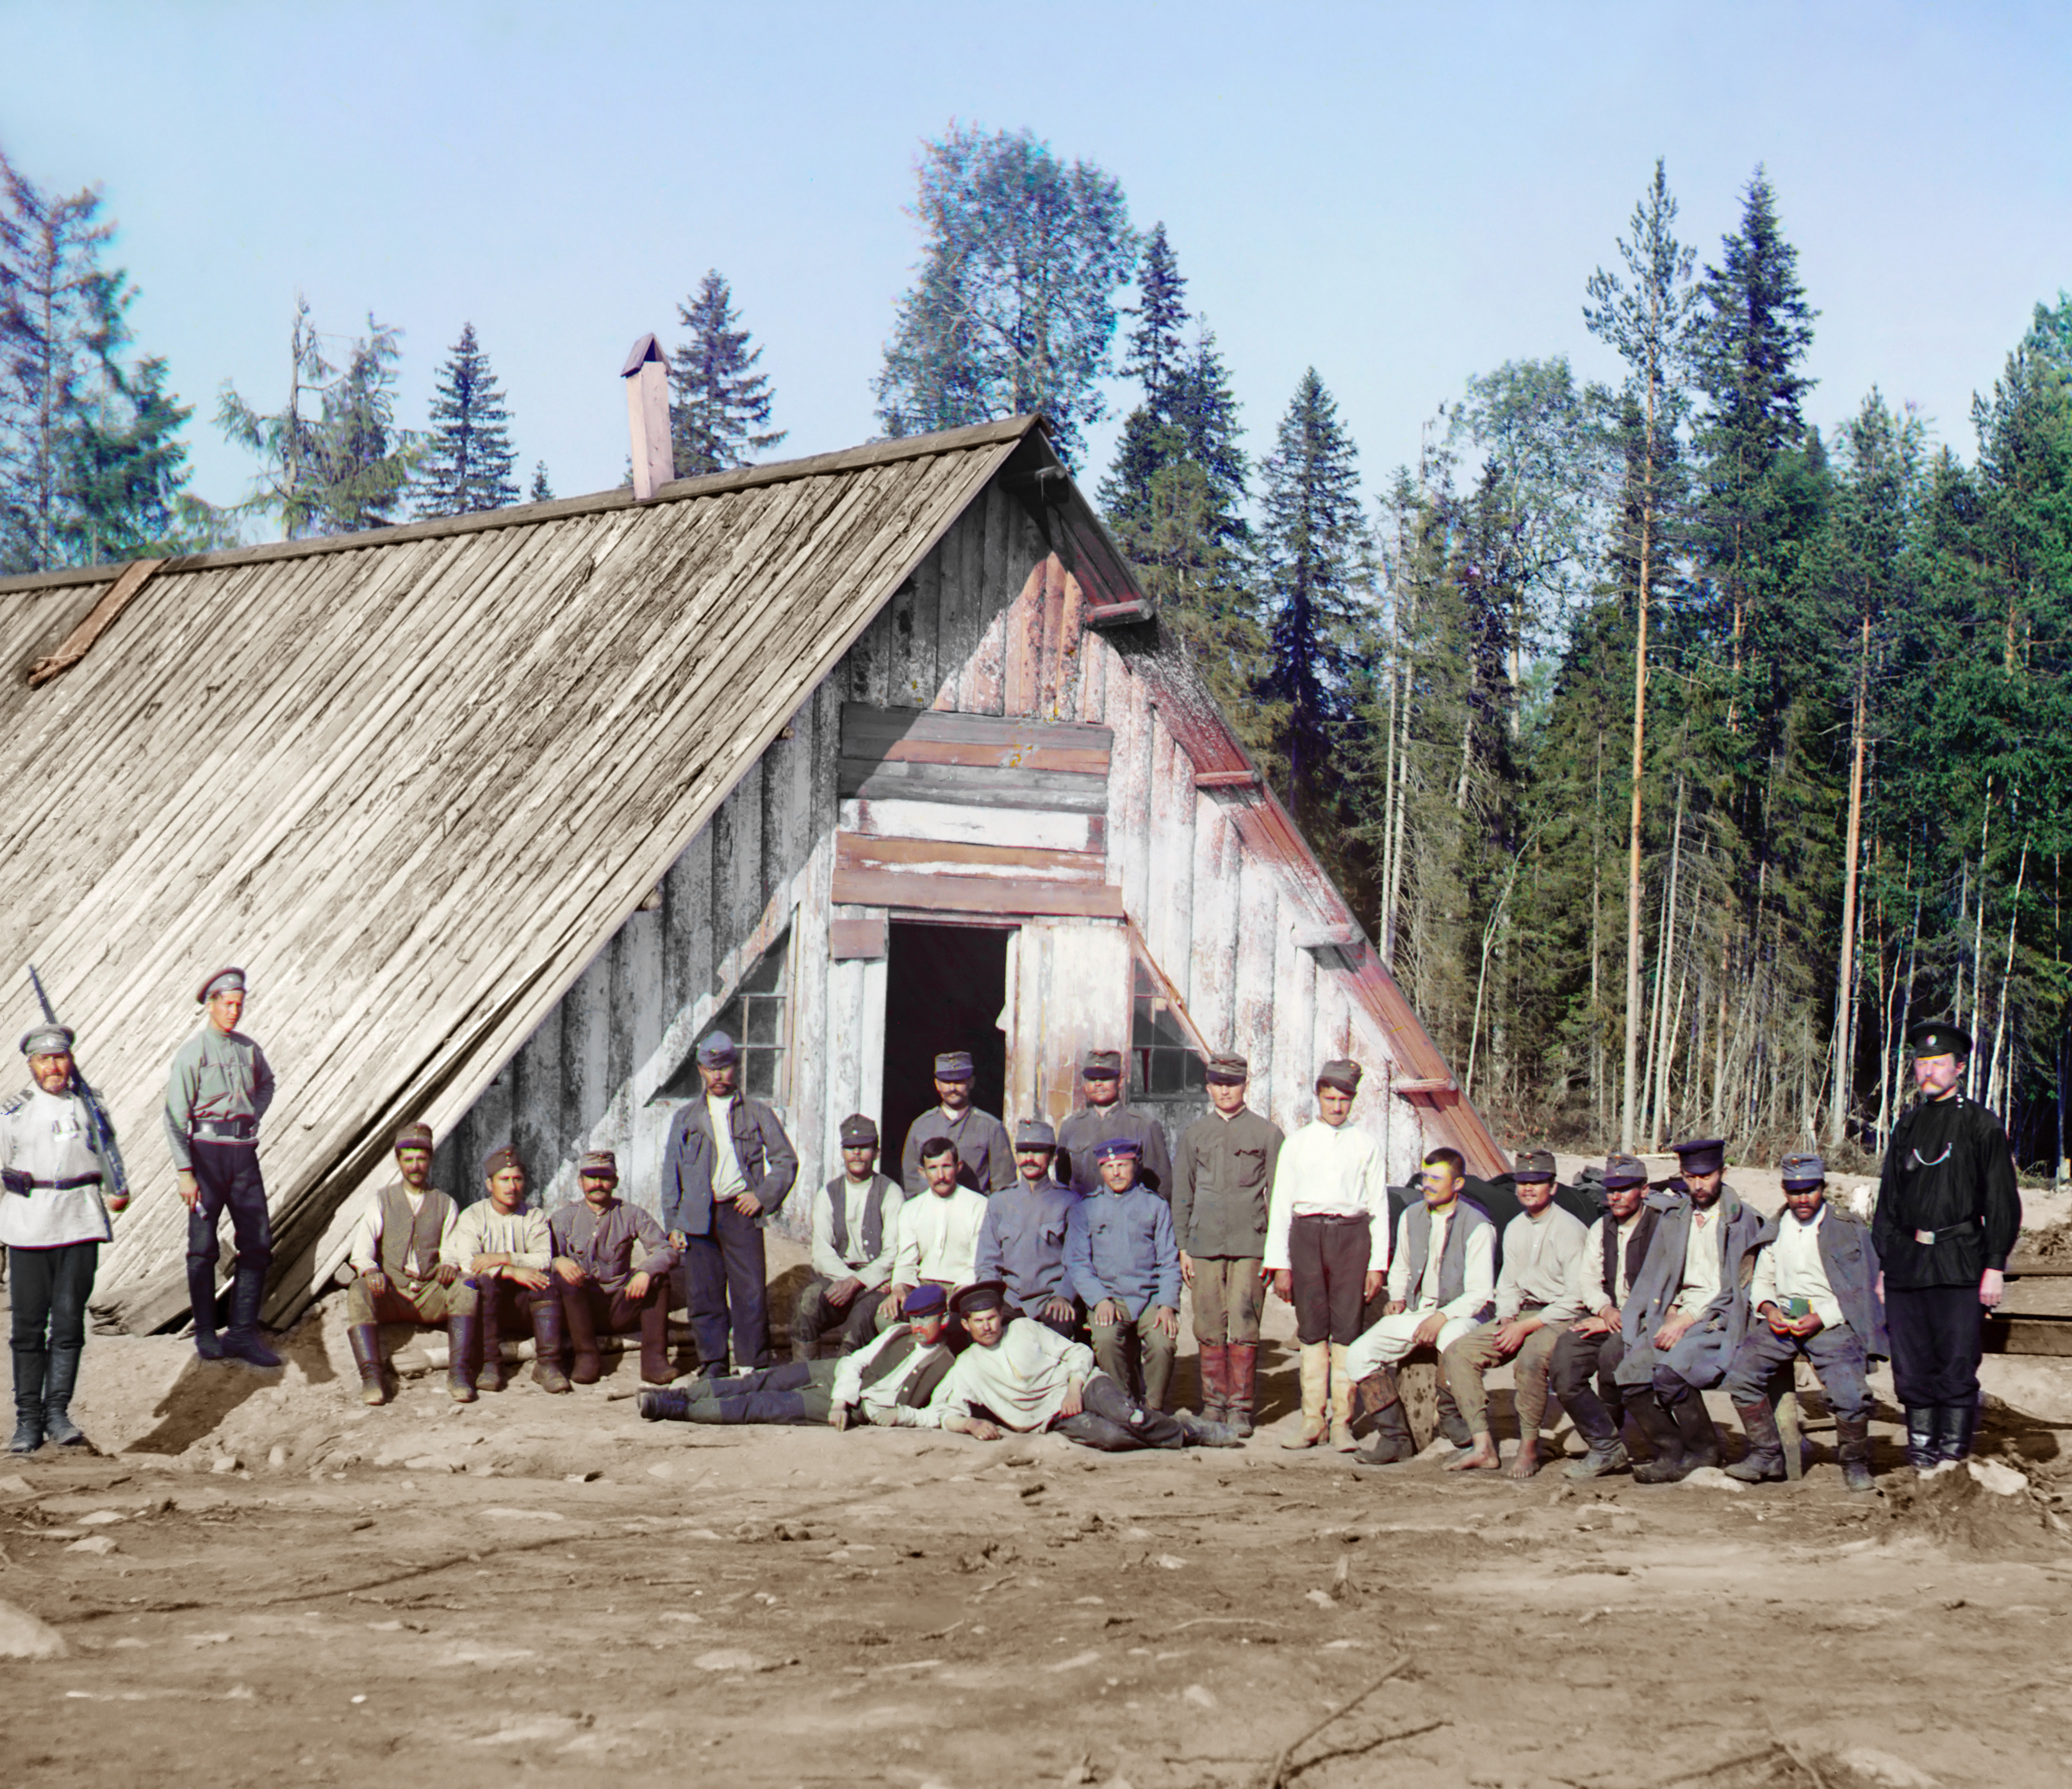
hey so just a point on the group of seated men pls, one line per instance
(982, 1291)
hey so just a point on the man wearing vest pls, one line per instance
(1542, 1246)
(1222, 1182)
(1814, 1293)
(1327, 1246)
(1683, 1320)
(506, 1251)
(890, 1383)
(611, 1267)
(1119, 1251)
(985, 1158)
(1021, 1239)
(727, 1166)
(855, 1235)
(1104, 1115)
(1590, 1349)
(1441, 1280)
(402, 1255)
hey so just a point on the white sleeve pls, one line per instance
(1510, 1294)
(827, 1262)
(1399, 1266)
(1589, 1278)
(1280, 1204)
(1374, 1194)
(1762, 1288)
(848, 1388)
(449, 1232)
(907, 1261)
(1478, 1272)
(364, 1250)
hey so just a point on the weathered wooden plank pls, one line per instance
(1130, 791)
(918, 735)
(941, 893)
(851, 938)
(1046, 828)
(1022, 691)
(1294, 1026)
(1088, 976)
(1213, 943)
(869, 851)
(1169, 866)
(982, 786)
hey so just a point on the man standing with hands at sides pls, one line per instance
(1105, 1115)
(219, 1088)
(727, 1166)
(985, 1158)
(1223, 1182)
(1022, 1237)
(596, 1239)
(855, 1235)
(506, 1251)
(1615, 1250)
(53, 1219)
(1327, 1246)
(1119, 1251)
(1543, 1247)
(1947, 1216)
(403, 1261)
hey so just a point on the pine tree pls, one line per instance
(1313, 560)
(719, 402)
(541, 492)
(468, 457)
(1013, 306)
(123, 473)
(1155, 358)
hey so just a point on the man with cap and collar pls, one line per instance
(54, 1217)
(1683, 1322)
(855, 1238)
(938, 1232)
(1222, 1183)
(1589, 1350)
(1124, 1262)
(985, 1158)
(405, 1265)
(1104, 1115)
(611, 1268)
(1027, 1378)
(1327, 1246)
(1947, 1215)
(505, 1252)
(1542, 1248)
(1814, 1292)
(726, 1167)
(219, 1089)
(1021, 1239)
(890, 1382)
(1701, 1164)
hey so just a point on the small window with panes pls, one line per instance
(1164, 1063)
(756, 1019)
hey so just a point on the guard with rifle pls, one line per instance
(62, 1178)
(218, 1090)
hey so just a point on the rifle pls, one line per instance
(104, 1128)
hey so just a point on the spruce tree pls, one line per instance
(719, 403)
(1312, 559)
(541, 492)
(467, 458)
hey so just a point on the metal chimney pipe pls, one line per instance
(646, 377)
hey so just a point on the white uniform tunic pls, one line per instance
(48, 1137)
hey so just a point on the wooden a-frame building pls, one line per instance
(861, 756)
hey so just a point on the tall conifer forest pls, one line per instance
(1676, 755)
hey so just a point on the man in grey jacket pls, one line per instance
(1684, 1317)
(727, 1166)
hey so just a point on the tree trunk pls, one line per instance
(1844, 1008)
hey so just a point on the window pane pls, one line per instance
(765, 1012)
(762, 1073)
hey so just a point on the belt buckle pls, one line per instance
(1924, 1237)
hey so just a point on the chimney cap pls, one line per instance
(643, 351)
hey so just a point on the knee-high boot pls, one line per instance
(58, 1378)
(1378, 1413)
(1316, 1387)
(545, 1308)
(580, 1320)
(31, 1368)
(1341, 1399)
(463, 1337)
(489, 1337)
(1215, 1391)
(654, 1367)
(1240, 1379)
(201, 1299)
(242, 1343)
(365, 1340)
(1668, 1465)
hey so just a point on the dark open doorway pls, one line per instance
(944, 986)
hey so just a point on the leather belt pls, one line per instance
(1335, 1217)
(226, 1130)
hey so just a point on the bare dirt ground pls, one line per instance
(263, 1583)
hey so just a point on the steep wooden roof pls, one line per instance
(411, 780)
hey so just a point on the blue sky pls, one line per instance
(1402, 195)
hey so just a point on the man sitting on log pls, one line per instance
(1022, 1242)
(1815, 1292)
(595, 1239)
(402, 1256)
(505, 1251)
(938, 1231)
(855, 1236)
(1613, 1252)
(1124, 1263)
(1541, 1248)
(1028, 1378)
(890, 1383)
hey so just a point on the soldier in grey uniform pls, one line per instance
(53, 1220)
(985, 1158)
(1107, 1114)
(219, 1088)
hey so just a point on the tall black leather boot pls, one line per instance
(1957, 1423)
(242, 1343)
(365, 1339)
(201, 1299)
(1378, 1414)
(1597, 1426)
(489, 1337)
(546, 1311)
(1924, 1439)
(59, 1377)
(1693, 1427)
(1667, 1467)
(1765, 1459)
(1855, 1439)
(30, 1366)
(463, 1336)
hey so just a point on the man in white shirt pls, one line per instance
(1442, 1282)
(53, 1219)
(938, 1231)
(855, 1236)
(1815, 1292)
(1614, 1251)
(1026, 1377)
(891, 1381)
(402, 1254)
(1327, 1246)
(1542, 1246)
(504, 1248)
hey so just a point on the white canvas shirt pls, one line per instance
(826, 1259)
(481, 1229)
(1701, 1262)
(880, 1403)
(728, 1181)
(364, 1252)
(1325, 1170)
(1791, 1268)
(1022, 1380)
(1540, 1256)
(939, 1238)
(45, 1136)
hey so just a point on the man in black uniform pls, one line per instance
(1947, 1215)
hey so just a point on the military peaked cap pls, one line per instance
(1534, 1165)
(1034, 1133)
(46, 1040)
(598, 1163)
(954, 1065)
(223, 982)
(987, 1295)
(1341, 1073)
(1625, 1171)
(494, 1163)
(858, 1133)
(1799, 1172)
(1228, 1072)
(1701, 1155)
(925, 1300)
(1110, 1148)
(1102, 1065)
(717, 1051)
(414, 1137)
(1938, 1036)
